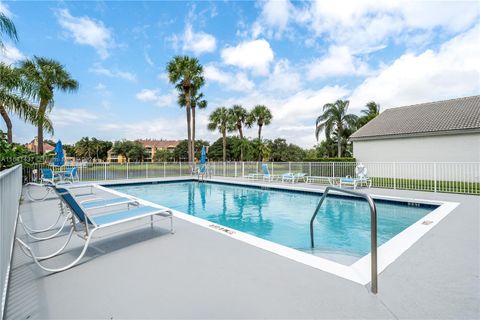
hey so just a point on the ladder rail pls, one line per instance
(373, 227)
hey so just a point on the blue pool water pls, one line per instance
(342, 227)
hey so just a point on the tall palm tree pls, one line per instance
(196, 100)
(335, 118)
(187, 73)
(372, 109)
(239, 117)
(46, 75)
(262, 116)
(220, 119)
(7, 27)
(15, 94)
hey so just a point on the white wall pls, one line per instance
(379, 156)
(448, 148)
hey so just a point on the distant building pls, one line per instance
(152, 146)
(442, 131)
(33, 146)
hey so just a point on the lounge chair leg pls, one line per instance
(54, 253)
(35, 259)
(47, 237)
(39, 230)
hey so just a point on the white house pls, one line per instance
(442, 131)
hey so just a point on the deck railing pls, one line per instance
(454, 177)
(10, 191)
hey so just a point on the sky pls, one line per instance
(293, 57)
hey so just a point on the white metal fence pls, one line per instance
(455, 177)
(10, 191)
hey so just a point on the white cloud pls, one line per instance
(62, 117)
(161, 100)
(255, 55)
(339, 61)
(283, 79)
(162, 128)
(233, 82)
(452, 71)
(274, 18)
(196, 42)
(10, 54)
(87, 31)
(148, 59)
(113, 73)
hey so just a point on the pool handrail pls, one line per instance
(373, 227)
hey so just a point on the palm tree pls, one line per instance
(14, 98)
(196, 100)
(220, 119)
(239, 117)
(335, 118)
(262, 116)
(186, 73)
(372, 109)
(46, 75)
(7, 27)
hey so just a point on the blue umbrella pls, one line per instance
(59, 159)
(203, 156)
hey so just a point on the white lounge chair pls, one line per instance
(92, 223)
(293, 177)
(360, 179)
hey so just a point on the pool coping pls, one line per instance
(358, 272)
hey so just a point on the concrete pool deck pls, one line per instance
(197, 273)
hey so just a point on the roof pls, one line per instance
(453, 116)
(159, 144)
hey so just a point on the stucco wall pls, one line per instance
(448, 148)
(421, 158)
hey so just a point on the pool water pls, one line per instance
(342, 227)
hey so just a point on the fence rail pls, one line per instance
(454, 177)
(10, 191)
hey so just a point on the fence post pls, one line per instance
(243, 168)
(127, 170)
(146, 169)
(333, 169)
(214, 172)
(289, 166)
(310, 169)
(164, 170)
(272, 169)
(394, 176)
(435, 177)
(105, 171)
(180, 168)
(235, 169)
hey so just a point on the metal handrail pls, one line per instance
(373, 223)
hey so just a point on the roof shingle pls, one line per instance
(440, 117)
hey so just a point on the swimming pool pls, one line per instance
(342, 227)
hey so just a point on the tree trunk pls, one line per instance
(260, 141)
(189, 127)
(41, 114)
(339, 147)
(224, 145)
(8, 123)
(193, 132)
(240, 132)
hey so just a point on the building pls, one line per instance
(442, 131)
(152, 146)
(33, 146)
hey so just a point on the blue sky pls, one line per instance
(291, 56)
